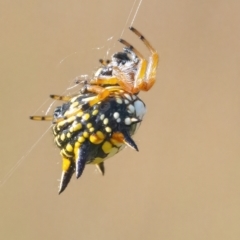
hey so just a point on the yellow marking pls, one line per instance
(97, 160)
(76, 148)
(89, 125)
(117, 139)
(112, 153)
(54, 130)
(79, 114)
(86, 116)
(105, 121)
(74, 99)
(66, 113)
(107, 147)
(62, 137)
(65, 164)
(57, 142)
(91, 129)
(77, 127)
(116, 142)
(71, 119)
(108, 129)
(69, 147)
(75, 104)
(65, 154)
(81, 139)
(100, 134)
(69, 135)
(95, 112)
(86, 134)
(77, 145)
(60, 124)
(97, 138)
(119, 100)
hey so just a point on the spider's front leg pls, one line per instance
(150, 76)
(145, 76)
(128, 84)
(51, 118)
(102, 93)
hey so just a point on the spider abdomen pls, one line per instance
(105, 128)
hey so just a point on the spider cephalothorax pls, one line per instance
(121, 61)
(99, 121)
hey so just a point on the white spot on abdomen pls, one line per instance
(140, 109)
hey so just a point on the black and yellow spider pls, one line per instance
(99, 121)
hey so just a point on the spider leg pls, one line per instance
(145, 41)
(150, 77)
(68, 115)
(41, 118)
(140, 74)
(102, 93)
(61, 98)
(50, 118)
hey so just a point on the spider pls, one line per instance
(101, 119)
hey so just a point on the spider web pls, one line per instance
(72, 86)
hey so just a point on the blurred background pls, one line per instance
(184, 183)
